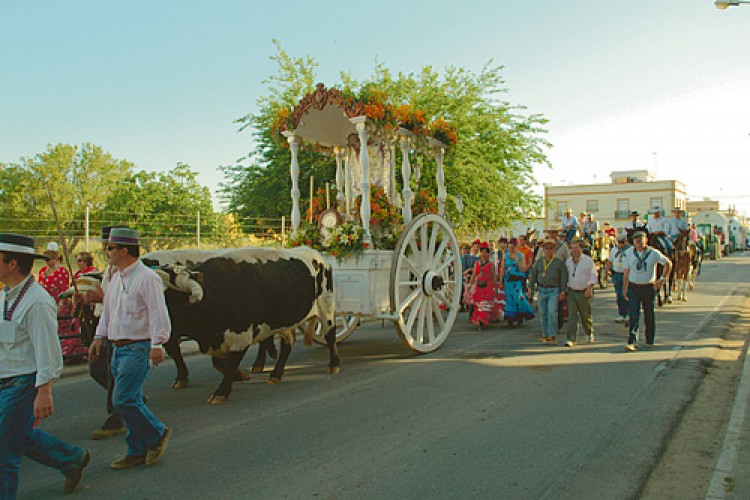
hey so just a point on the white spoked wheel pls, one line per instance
(345, 326)
(425, 285)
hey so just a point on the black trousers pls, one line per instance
(641, 296)
(100, 370)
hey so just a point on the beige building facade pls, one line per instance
(612, 202)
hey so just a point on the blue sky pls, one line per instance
(161, 82)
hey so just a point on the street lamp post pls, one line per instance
(736, 3)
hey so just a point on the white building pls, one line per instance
(630, 190)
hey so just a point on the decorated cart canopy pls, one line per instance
(405, 269)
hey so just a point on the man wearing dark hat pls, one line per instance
(30, 360)
(634, 224)
(640, 284)
(549, 276)
(100, 368)
(135, 319)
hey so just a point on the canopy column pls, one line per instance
(348, 184)
(294, 142)
(406, 174)
(439, 151)
(364, 162)
(339, 154)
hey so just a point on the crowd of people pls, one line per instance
(559, 274)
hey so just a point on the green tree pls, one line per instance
(491, 167)
(76, 177)
(164, 207)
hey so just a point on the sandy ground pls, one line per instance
(685, 469)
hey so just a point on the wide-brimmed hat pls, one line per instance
(550, 242)
(622, 236)
(634, 212)
(551, 229)
(20, 244)
(123, 236)
(639, 234)
(105, 233)
(677, 209)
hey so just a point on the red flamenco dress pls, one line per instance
(55, 284)
(483, 294)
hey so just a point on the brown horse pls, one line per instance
(683, 263)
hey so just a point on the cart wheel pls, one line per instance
(345, 325)
(425, 290)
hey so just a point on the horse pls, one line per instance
(666, 290)
(684, 254)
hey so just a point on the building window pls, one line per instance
(623, 208)
(561, 206)
(592, 206)
(656, 203)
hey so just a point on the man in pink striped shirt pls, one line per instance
(135, 319)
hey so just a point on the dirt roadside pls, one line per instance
(687, 464)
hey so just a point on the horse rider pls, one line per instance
(589, 229)
(569, 225)
(657, 226)
(676, 224)
(633, 225)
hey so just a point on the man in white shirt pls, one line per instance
(657, 226)
(30, 361)
(569, 225)
(135, 319)
(589, 229)
(640, 285)
(616, 265)
(581, 281)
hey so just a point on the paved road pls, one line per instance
(492, 414)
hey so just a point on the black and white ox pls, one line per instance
(230, 299)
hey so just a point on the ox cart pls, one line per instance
(415, 281)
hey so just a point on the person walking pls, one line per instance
(30, 361)
(483, 285)
(616, 265)
(513, 271)
(135, 319)
(549, 276)
(100, 368)
(581, 281)
(639, 286)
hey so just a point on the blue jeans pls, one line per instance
(622, 304)
(19, 438)
(129, 367)
(641, 296)
(547, 298)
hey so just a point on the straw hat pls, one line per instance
(20, 244)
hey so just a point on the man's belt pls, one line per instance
(615, 272)
(641, 285)
(124, 342)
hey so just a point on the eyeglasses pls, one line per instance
(112, 247)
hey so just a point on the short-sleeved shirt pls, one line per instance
(642, 265)
(617, 258)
